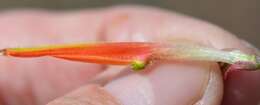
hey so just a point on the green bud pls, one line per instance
(138, 65)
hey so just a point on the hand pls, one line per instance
(39, 81)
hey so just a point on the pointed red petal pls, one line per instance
(105, 53)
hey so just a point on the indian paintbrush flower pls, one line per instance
(138, 54)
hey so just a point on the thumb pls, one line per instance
(162, 84)
(170, 84)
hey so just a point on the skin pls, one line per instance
(41, 81)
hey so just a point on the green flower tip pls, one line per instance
(138, 65)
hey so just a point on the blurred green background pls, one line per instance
(241, 17)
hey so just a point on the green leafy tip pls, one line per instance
(138, 65)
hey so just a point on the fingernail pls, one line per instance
(167, 84)
(89, 95)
